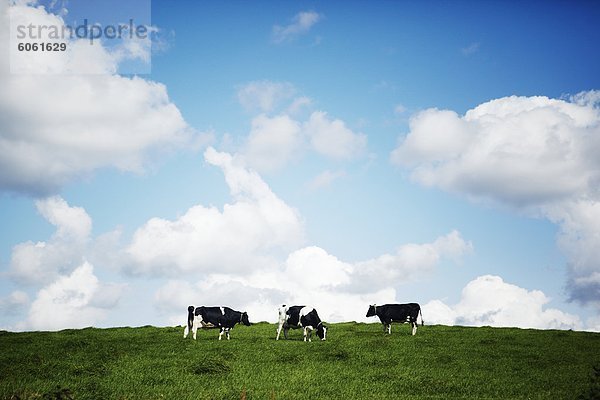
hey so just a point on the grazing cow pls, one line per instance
(389, 313)
(301, 317)
(214, 317)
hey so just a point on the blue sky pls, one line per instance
(337, 155)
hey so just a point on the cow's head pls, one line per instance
(322, 331)
(245, 320)
(371, 311)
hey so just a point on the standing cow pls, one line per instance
(301, 317)
(214, 317)
(389, 313)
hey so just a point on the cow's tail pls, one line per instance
(190, 320)
(420, 312)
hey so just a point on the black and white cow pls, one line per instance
(300, 317)
(389, 313)
(214, 317)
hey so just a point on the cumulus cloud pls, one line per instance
(399, 109)
(325, 179)
(76, 300)
(80, 56)
(409, 262)
(248, 255)
(579, 239)
(272, 142)
(71, 222)
(264, 96)
(56, 128)
(298, 105)
(332, 138)
(275, 140)
(300, 25)
(534, 154)
(311, 276)
(71, 296)
(41, 262)
(173, 298)
(516, 150)
(488, 300)
(205, 238)
(14, 303)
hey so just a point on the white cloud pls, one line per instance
(593, 324)
(261, 296)
(534, 154)
(300, 25)
(42, 262)
(71, 295)
(399, 109)
(71, 222)
(298, 105)
(264, 96)
(137, 48)
(579, 239)
(175, 296)
(98, 120)
(515, 150)
(14, 303)
(234, 239)
(272, 142)
(470, 49)
(79, 57)
(74, 301)
(410, 262)
(332, 138)
(266, 276)
(488, 300)
(247, 256)
(311, 276)
(325, 179)
(313, 268)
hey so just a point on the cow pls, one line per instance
(223, 318)
(389, 313)
(300, 317)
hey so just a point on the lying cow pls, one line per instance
(300, 317)
(389, 313)
(214, 317)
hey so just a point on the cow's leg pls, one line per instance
(308, 333)
(285, 332)
(221, 333)
(389, 328)
(194, 328)
(186, 331)
(414, 328)
(227, 332)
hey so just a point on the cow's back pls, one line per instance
(399, 312)
(293, 315)
(213, 315)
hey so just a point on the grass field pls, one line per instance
(358, 361)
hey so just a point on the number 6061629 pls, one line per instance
(42, 46)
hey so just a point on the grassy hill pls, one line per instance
(356, 362)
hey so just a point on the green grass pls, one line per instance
(358, 361)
